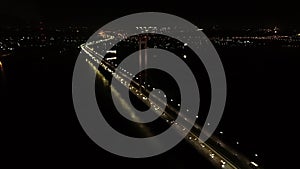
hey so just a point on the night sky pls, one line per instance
(228, 14)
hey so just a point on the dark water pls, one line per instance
(41, 125)
(262, 103)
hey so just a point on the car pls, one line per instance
(253, 165)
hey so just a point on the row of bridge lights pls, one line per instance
(122, 81)
(149, 86)
(125, 71)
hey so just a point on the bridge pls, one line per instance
(218, 153)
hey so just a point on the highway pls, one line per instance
(219, 154)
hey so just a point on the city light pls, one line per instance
(111, 51)
(98, 60)
(111, 58)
